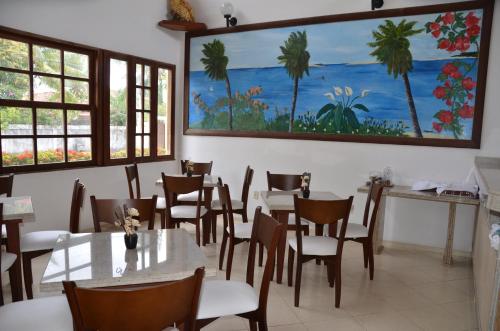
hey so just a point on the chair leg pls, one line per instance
(253, 325)
(370, 260)
(338, 283)
(28, 275)
(1, 292)
(306, 230)
(222, 249)
(262, 325)
(291, 257)
(229, 258)
(261, 254)
(330, 268)
(298, 279)
(163, 222)
(214, 227)
(198, 233)
(365, 253)
(244, 216)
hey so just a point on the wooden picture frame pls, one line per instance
(449, 124)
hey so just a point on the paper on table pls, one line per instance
(423, 185)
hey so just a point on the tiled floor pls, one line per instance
(411, 291)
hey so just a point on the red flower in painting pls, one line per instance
(447, 84)
(434, 26)
(462, 43)
(448, 18)
(473, 30)
(449, 68)
(468, 83)
(471, 19)
(444, 44)
(449, 102)
(436, 33)
(452, 47)
(466, 111)
(439, 92)
(470, 96)
(446, 116)
(456, 74)
(437, 127)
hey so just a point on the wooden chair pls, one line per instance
(6, 259)
(238, 206)
(363, 233)
(176, 213)
(199, 168)
(148, 307)
(103, 211)
(326, 248)
(38, 243)
(224, 297)
(6, 184)
(132, 173)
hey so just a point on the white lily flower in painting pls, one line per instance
(348, 91)
(364, 93)
(330, 96)
(338, 90)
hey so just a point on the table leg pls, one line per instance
(448, 252)
(207, 196)
(15, 273)
(378, 232)
(282, 217)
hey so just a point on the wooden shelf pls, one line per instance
(182, 26)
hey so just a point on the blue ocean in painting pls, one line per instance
(386, 99)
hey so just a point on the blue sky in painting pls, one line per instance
(341, 42)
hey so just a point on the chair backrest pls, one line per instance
(103, 210)
(6, 183)
(174, 185)
(76, 206)
(323, 212)
(132, 173)
(246, 186)
(142, 308)
(199, 168)
(227, 207)
(267, 231)
(283, 182)
(375, 195)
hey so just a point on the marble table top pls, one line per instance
(488, 169)
(283, 200)
(208, 180)
(102, 260)
(406, 192)
(18, 208)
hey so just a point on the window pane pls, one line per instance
(78, 122)
(14, 54)
(47, 89)
(163, 147)
(46, 59)
(17, 152)
(79, 149)
(138, 122)
(146, 146)
(49, 121)
(138, 146)
(76, 91)
(14, 86)
(147, 76)
(138, 98)
(16, 121)
(50, 150)
(147, 104)
(138, 74)
(118, 109)
(76, 65)
(147, 123)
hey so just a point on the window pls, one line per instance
(57, 110)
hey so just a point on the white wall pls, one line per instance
(130, 26)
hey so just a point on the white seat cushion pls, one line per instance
(186, 211)
(40, 240)
(8, 260)
(225, 297)
(316, 245)
(291, 220)
(242, 230)
(236, 204)
(193, 196)
(161, 203)
(355, 230)
(4, 231)
(44, 314)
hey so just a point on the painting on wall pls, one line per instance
(408, 76)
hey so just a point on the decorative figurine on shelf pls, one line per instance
(189, 168)
(181, 10)
(129, 224)
(306, 181)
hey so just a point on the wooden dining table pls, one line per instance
(280, 204)
(16, 210)
(101, 260)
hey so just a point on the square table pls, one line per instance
(96, 260)
(15, 211)
(280, 204)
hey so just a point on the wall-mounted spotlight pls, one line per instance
(226, 9)
(377, 4)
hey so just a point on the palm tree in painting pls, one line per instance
(392, 48)
(215, 62)
(295, 58)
